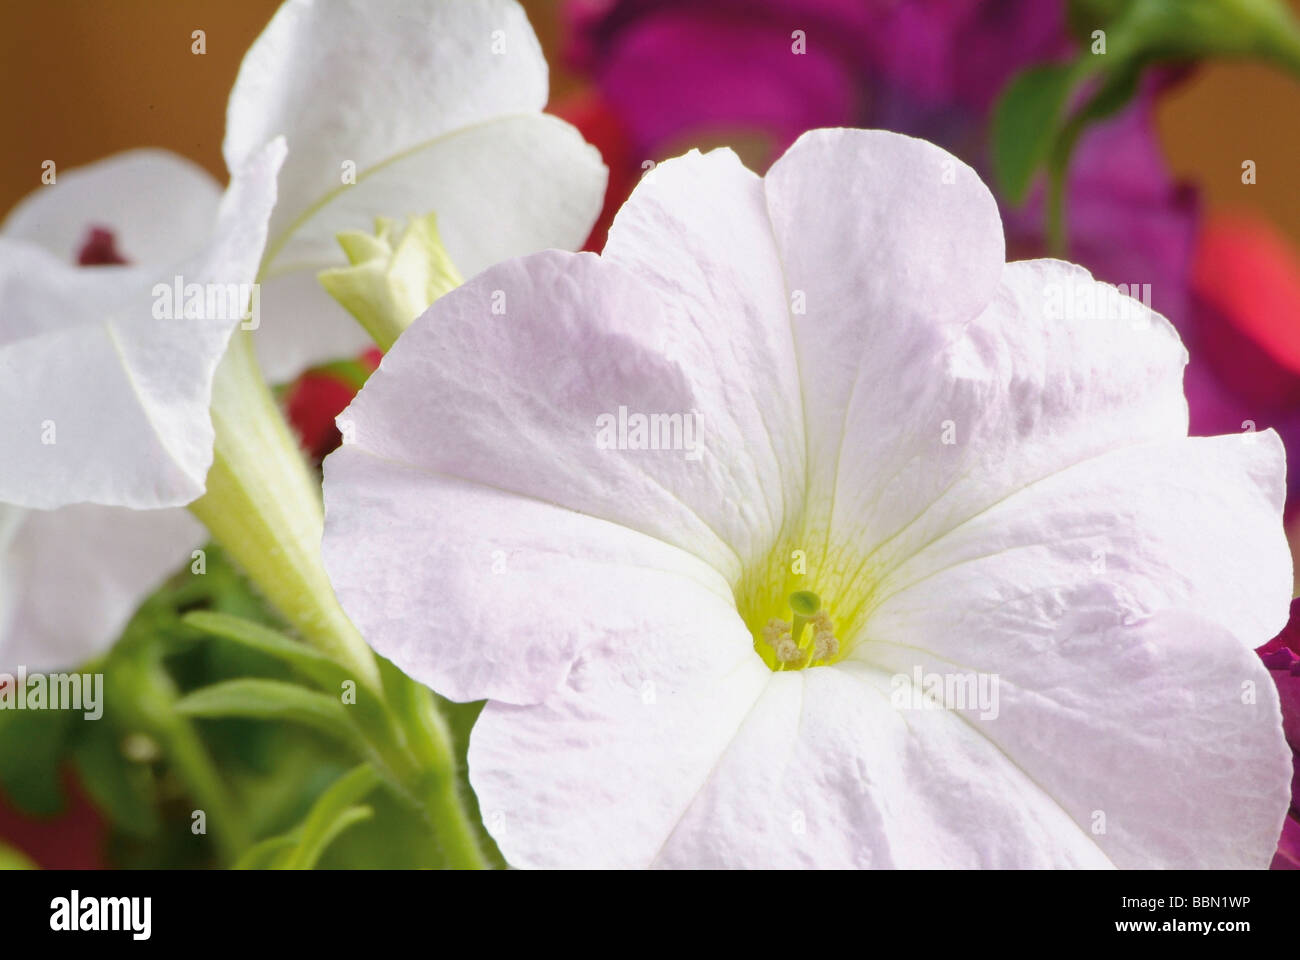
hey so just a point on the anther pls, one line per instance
(825, 645)
(788, 652)
(773, 631)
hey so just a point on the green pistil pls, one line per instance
(805, 605)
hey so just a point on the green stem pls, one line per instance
(1287, 52)
(1274, 26)
(1056, 237)
(263, 506)
(1058, 168)
(430, 742)
(152, 696)
(455, 831)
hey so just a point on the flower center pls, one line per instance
(805, 602)
(99, 249)
(808, 638)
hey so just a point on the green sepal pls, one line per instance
(318, 667)
(334, 811)
(275, 700)
(1026, 122)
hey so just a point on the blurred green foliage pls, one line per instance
(273, 771)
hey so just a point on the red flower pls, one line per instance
(322, 394)
(600, 126)
(71, 840)
(1246, 280)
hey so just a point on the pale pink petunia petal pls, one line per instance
(505, 581)
(519, 366)
(1119, 537)
(641, 760)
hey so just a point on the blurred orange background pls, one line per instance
(88, 78)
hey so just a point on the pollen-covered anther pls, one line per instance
(788, 652)
(825, 646)
(773, 632)
(807, 639)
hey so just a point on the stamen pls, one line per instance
(788, 652)
(784, 638)
(773, 631)
(825, 645)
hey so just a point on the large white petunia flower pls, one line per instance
(981, 479)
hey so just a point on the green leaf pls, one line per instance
(333, 812)
(369, 711)
(274, 700)
(268, 854)
(310, 849)
(321, 669)
(398, 837)
(32, 743)
(1026, 120)
(121, 789)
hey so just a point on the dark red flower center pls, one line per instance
(99, 249)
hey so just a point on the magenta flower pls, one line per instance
(1282, 657)
(779, 67)
(686, 74)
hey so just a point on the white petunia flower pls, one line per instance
(427, 106)
(107, 374)
(819, 408)
(388, 110)
(430, 106)
(159, 208)
(71, 578)
(402, 109)
(106, 403)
